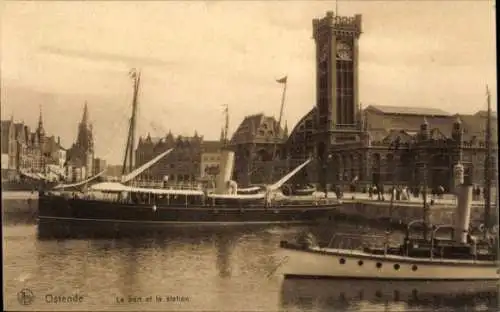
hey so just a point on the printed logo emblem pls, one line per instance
(25, 296)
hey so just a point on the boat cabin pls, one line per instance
(414, 245)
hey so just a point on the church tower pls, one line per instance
(40, 131)
(336, 39)
(85, 142)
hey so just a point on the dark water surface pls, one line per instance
(193, 269)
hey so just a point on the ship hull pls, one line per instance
(26, 186)
(350, 264)
(77, 211)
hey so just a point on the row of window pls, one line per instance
(172, 178)
(378, 265)
(211, 158)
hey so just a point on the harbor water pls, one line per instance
(193, 269)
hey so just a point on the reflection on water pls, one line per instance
(217, 269)
(223, 246)
(349, 295)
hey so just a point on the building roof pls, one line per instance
(382, 121)
(154, 140)
(484, 114)
(23, 135)
(257, 129)
(379, 125)
(404, 110)
(168, 141)
(50, 145)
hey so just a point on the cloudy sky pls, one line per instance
(197, 56)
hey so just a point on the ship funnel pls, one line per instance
(226, 171)
(462, 214)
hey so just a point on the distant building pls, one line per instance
(258, 141)
(210, 159)
(114, 171)
(393, 144)
(185, 164)
(80, 156)
(24, 151)
(9, 146)
(99, 165)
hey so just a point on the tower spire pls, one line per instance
(85, 116)
(40, 130)
(40, 118)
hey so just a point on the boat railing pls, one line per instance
(161, 185)
(206, 202)
(356, 242)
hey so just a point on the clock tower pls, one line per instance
(336, 39)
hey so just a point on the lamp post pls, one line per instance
(424, 194)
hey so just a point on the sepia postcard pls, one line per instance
(249, 155)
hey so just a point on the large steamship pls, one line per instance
(116, 203)
(122, 205)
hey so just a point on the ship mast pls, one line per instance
(282, 81)
(283, 95)
(487, 166)
(129, 150)
(226, 125)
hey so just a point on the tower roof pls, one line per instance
(405, 110)
(40, 129)
(40, 117)
(257, 129)
(85, 117)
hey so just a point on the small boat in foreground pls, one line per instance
(462, 257)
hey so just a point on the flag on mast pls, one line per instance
(282, 80)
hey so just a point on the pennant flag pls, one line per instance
(282, 80)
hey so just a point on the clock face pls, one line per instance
(344, 51)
